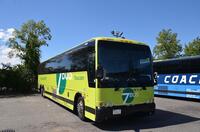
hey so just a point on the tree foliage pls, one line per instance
(193, 48)
(168, 46)
(27, 42)
(14, 79)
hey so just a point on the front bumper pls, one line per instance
(107, 112)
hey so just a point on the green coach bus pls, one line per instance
(101, 78)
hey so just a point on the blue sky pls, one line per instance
(74, 21)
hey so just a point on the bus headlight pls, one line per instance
(152, 100)
(98, 107)
(105, 104)
(109, 104)
(102, 104)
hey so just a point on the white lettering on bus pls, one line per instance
(191, 77)
(166, 77)
(63, 76)
(69, 76)
(183, 79)
(175, 79)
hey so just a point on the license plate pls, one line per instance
(117, 112)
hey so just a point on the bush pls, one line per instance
(15, 79)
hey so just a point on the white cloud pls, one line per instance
(4, 51)
(5, 34)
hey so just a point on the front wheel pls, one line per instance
(81, 108)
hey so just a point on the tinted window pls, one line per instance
(72, 60)
(188, 65)
(124, 65)
(81, 58)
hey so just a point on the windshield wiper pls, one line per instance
(131, 79)
(145, 75)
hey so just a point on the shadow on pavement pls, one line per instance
(160, 119)
(178, 98)
(17, 95)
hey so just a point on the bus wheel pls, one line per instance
(81, 108)
(42, 92)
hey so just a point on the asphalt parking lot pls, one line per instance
(33, 113)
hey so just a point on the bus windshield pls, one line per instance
(124, 65)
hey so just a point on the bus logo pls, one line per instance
(61, 80)
(128, 95)
(179, 79)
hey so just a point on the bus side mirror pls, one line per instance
(155, 78)
(100, 72)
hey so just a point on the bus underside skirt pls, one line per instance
(90, 112)
(60, 97)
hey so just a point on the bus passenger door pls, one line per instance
(90, 92)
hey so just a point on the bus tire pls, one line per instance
(42, 91)
(80, 107)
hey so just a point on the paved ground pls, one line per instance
(34, 114)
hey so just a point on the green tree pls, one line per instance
(14, 79)
(27, 42)
(168, 46)
(193, 48)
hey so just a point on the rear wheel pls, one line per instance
(80, 108)
(42, 91)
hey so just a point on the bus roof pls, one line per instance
(102, 38)
(119, 40)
